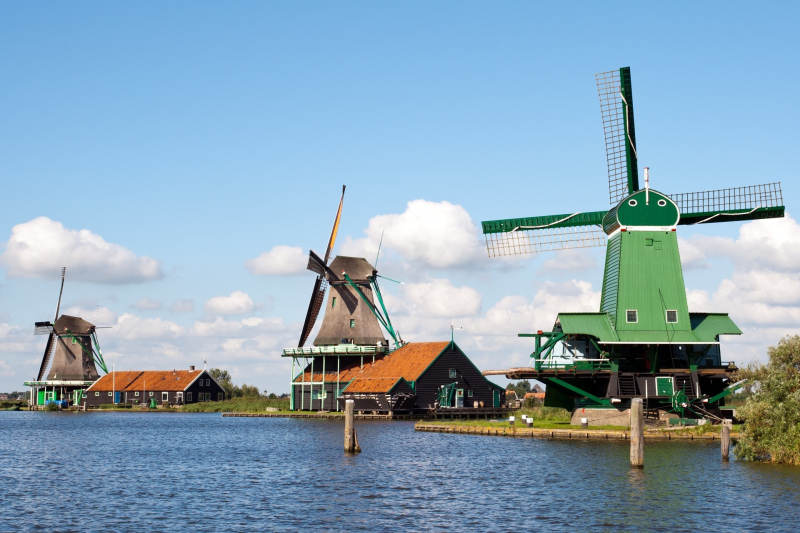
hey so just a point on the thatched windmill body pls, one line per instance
(72, 355)
(351, 330)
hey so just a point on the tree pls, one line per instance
(772, 411)
(223, 378)
(521, 387)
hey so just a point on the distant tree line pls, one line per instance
(232, 391)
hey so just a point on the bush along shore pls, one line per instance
(238, 405)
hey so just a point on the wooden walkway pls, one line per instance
(574, 434)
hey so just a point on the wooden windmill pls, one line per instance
(74, 351)
(643, 341)
(350, 329)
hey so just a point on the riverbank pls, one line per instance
(546, 430)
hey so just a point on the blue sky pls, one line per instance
(203, 134)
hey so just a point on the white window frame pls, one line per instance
(453, 373)
(666, 316)
(636, 311)
(220, 396)
(189, 396)
(136, 393)
(208, 383)
(164, 396)
(151, 393)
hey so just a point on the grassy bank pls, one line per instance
(538, 424)
(237, 405)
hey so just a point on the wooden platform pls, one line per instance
(439, 414)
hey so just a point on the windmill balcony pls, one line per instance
(340, 349)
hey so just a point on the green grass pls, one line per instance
(237, 405)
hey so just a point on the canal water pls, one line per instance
(202, 472)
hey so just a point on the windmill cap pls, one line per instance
(648, 209)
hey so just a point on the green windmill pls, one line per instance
(643, 341)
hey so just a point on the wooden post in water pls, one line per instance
(350, 443)
(637, 433)
(726, 439)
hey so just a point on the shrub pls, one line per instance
(772, 411)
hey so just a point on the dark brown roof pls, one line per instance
(158, 380)
(408, 362)
(375, 385)
(74, 324)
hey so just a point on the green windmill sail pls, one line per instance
(644, 335)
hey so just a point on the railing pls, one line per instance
(340, 349)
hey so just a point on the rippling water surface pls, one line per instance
(203, 472)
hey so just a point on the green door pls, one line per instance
(496, 398)
(664, 386)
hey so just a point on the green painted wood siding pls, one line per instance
(608, 302)
(650, 281)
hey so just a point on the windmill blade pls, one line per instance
(58, 306)
(335, 229)
(48, 352)
(616, 108)
(730, 205)
(67, 352)
(42, 328)
(314, 306)
(519, 236)
(315, 264)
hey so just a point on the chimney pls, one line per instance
(191, 367)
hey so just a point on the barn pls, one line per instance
(176, 387)
(422, 369)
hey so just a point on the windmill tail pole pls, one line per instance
(647, 185)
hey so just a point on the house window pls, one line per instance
(352, 322)
(110, 393)
(453, 374)
(97, 394)
(469, 393)
(188, 396)
(220, 396)
(151, 394)
(632, 316)
(672, 316)
(208, 383)
(164, 396)
(137, 393)
(333, 302)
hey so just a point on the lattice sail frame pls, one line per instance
(615, 130)
(737, 198)
(528, 241)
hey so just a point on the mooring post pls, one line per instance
(511, 421)
(637, 433)
(350, 445)
(726, 439)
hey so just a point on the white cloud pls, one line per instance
(762, 295)
(182, 306)
(432, 234)
(237, 303)
(279, 261)
(133, 327)
(99, 316)
(693, 256)
(439, 298)
(40, 247)
(570, 261)
(6, 370)
(146, 303)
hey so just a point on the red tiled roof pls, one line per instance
(158, 380)
(534, 395)
(347, 371)
(408, 362)
(375, 385)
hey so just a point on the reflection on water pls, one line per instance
(202, 472)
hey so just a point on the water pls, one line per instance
(202, 472)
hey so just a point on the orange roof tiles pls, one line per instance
(375, 385)
(409, 362)
(158, 380)
(347, 371)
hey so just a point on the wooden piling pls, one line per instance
(637, 433)
(726, 439)
(350, 443)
